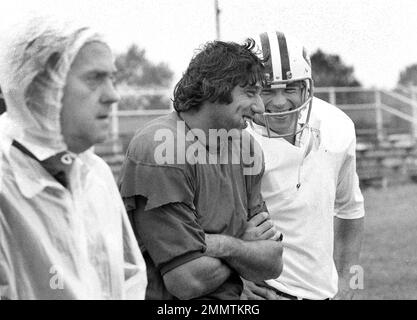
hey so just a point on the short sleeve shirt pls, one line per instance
(173, 203)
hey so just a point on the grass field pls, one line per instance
(389, 250)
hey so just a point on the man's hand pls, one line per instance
(257, 291)
(253, 260)
(261, 227)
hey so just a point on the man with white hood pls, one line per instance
(64, 232)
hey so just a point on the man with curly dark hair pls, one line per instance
(191, 183)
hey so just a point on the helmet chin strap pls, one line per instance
(270, 133)
(297, 130)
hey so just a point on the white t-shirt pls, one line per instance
(324, 165)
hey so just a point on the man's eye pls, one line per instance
(291, 90)
(97, 77)
(93, 79)
(266, 92)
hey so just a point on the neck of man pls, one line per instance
(77, 146)
(198, 119)
(290, 139)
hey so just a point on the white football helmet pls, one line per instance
(285, 62)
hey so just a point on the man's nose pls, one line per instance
(278, 99)
(258, 106)
(110, 94)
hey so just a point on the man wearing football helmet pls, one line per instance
(310, 183)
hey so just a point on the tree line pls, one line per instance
(135, 71)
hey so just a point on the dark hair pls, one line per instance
(214, 71)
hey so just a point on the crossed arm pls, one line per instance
(256, 257)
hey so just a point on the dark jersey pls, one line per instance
(172, 205)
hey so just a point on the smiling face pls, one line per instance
(281, 100)
(88, 95)
(245, 104)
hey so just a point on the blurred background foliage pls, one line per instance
(136, 75)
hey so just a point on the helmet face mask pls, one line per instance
(286, 62)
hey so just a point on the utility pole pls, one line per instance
(217, 11)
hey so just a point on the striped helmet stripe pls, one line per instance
(275, 56)
(266, 52)
(285, 59)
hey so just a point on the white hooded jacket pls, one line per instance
(56, 243)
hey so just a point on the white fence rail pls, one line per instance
(381, 109)
(378, 106)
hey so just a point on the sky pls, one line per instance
(377, 37)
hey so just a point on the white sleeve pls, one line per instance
(6, 292)
(135, 278)
(134, 264)
(349, 200)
